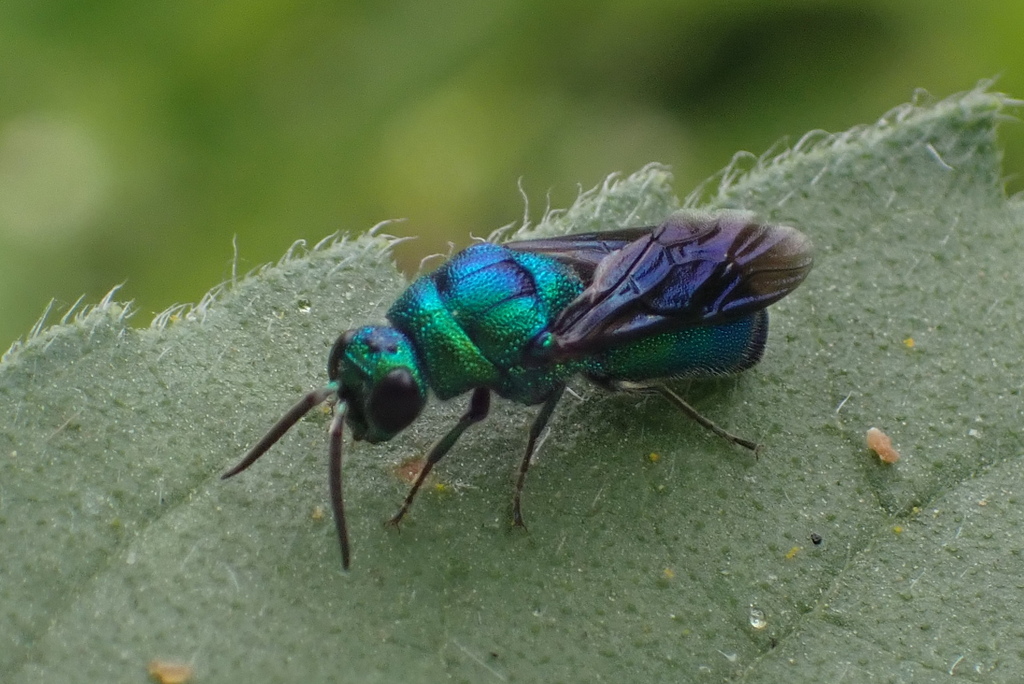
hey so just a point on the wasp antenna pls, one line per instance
(334, 481)
(301, 408)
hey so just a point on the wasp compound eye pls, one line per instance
(337, 353)
(395, 402)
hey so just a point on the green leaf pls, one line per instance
(656, 552)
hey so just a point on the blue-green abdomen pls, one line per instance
(698, 351)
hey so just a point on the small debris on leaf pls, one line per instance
(880, 443)
(168, 672)
(409, 469)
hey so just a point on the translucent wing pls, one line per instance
(691, 270)
(583, 251)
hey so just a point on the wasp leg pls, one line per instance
(479, 406)
(539, 423)
(678, 402)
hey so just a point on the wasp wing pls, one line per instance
(582, 251)
(691, 270)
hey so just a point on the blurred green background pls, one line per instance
(137, 139)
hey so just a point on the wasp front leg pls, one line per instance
(479, 407)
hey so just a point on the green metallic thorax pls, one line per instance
(472, 322)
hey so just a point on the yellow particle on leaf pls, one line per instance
(653, 457)
(167, 672)
(880, 443)
(667, 573)
(909, 343)
(792, 553)
(898, 529)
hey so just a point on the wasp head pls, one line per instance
(378, 376)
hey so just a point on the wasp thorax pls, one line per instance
(379, 378)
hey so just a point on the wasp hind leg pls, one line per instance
(680, 404)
